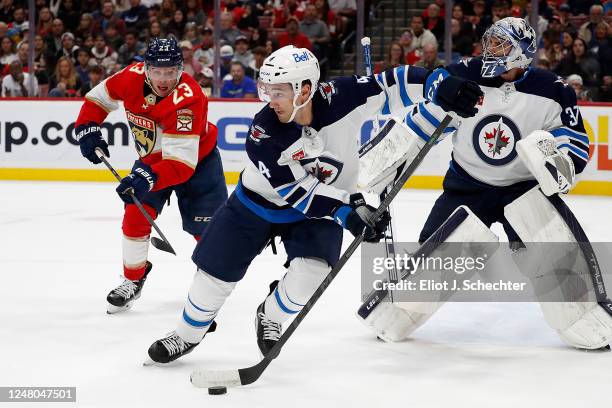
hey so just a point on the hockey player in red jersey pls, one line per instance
(167, 115)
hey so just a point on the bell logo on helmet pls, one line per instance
(301, 57)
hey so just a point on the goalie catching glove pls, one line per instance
(139, 182)
(357, 218)
(552, 168)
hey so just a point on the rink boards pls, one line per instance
(37, 143)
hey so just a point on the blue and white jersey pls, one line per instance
(485, 145)
(299, 172)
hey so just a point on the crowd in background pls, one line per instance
(78, 43)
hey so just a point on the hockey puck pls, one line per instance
(217, 390)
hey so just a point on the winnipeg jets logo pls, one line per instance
(257, 134)
(325, 169)
(327, 90)
(495, 138)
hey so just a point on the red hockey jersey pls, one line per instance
(171, 134)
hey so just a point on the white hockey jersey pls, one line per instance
(297, 172)
(484, 146)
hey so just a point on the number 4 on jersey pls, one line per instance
(263, 169)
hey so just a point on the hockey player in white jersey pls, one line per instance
(300, 184)
(524, 147)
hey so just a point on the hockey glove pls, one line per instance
(139, 182)
(452, 93)
(552, 168)
(90, 138)
(356, 217)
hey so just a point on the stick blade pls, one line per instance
(212, 378)
(162, 245)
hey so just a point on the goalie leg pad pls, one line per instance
(586, 324)
(381, 157)
(394, 321)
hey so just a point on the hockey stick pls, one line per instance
(230, 378)
(161, 244)
(389, 240)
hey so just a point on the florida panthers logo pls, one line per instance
(143, 132)
(495, 138)
(325, 169)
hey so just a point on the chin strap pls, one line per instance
(297, 107)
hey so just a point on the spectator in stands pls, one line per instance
(69, 48)
(248, 20)
(19, 17)
(190, 64)
(316, 31)
(205, 79)
(395, 58)
(23, 55)
(434, 22)
(86, 26)
(587, 30)
(104, 55)
(54, 41)
(500, 10)
(465, 26)
(45, 18)
(40, 64)
(271, 45)
(155, 30)
(239, 86)
(241, 51)
(480, 20)
(430, 57)
(228, 32)
(206, 54)
(575, 81)
(581, 63)
(191, 34)
(136, 17)
(420, 36)
(283, 12)
(69, 14)
(176, 26)
(259, 55)
(113, 37)
(226, 53)
(194, 12)
(107, 17)
(293, 36)
(413, 56)
(166, 12)
(7, 52)
(6, 10)
(130, 48)
(17, 82)
(95, 75)
(605, 92)
(600, 46)
(325, 14)
(259, 38)
(345, 8)
(567, 40)
(64, 82)
(462, 43)
(84, 63)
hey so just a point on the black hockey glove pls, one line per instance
(139, 182)
(356, 217)
(452, 93)
(90, 138)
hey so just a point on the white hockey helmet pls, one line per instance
(293, 66)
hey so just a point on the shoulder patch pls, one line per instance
(257, 134)
(327, 90)
(184, 120)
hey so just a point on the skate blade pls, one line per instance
(112, 309)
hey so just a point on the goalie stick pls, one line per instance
(389, 240)
(161, 244)
(204, 378)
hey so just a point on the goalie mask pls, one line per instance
(507, 44)
(288, 65)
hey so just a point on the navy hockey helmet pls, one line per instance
(163, 53)
(507, 44)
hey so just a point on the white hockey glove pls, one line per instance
(552, 168)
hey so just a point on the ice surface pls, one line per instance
(60, 249)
